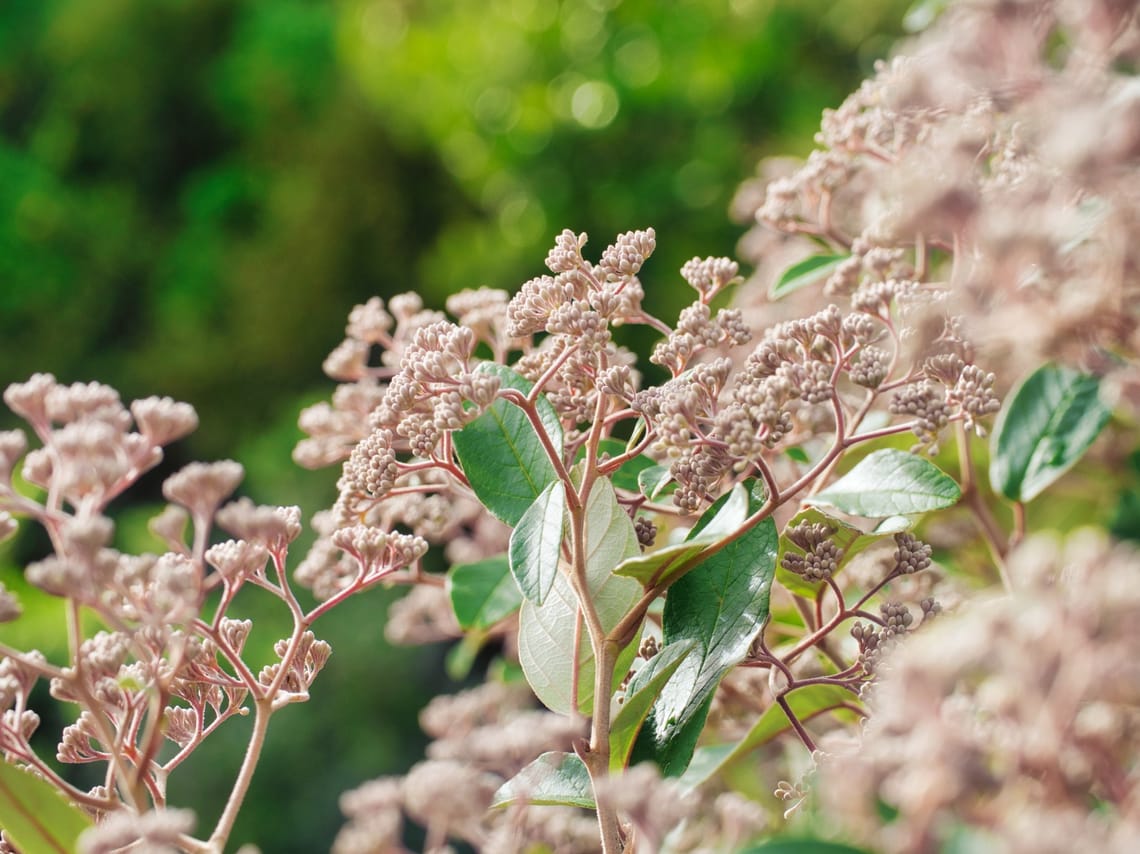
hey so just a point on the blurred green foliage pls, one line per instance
(193, 194)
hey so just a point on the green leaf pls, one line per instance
(553, 779)
(721, 605)
(807, 272)
(657, 568)
(890, 482)
(806, 703)
(802, 846)
(643, 689)
(35, 816)
(547, 631)
(1044, 428)
(797, 454)
(461, 657)
(502, 456)
(482, 593)
(653, 480)
(536, 543)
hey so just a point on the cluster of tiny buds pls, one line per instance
(912, 555)
(90, 453)
(895, 620)
(821, 556)
(646, 532)
(649, 647)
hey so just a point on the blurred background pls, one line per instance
(194, 194)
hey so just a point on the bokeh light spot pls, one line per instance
(638, 61)
(594, 104)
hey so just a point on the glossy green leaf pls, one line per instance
(1046, 425)
(536, 543)
(547, 632)
(890, 482)
(482, 593)
(35, 816)
(807, 272)
(502, 456)
(643, 690)
(658, 567)
(553, 779)
(721, 605)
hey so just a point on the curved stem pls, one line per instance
(224, 827)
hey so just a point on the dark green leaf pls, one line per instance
(35, 816)
(482, 593)
(890, 482)
(721, 605)
(1046, 425)
(643, 689)
(807, 272)
(547, 632)
(536, 543)
(554, 779)
(502, 456)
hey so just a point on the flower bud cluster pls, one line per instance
(89, 452)
(821, 556)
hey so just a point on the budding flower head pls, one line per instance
(201, 487)
(162, 420)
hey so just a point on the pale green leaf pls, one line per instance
(810, 271)
(890, 482)
(536, 543)
(547, 632)
(35, 816)
(553, 779)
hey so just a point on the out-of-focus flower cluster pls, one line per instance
(1007, 139)
(486, 735)
(168, 666)
(1017, 720)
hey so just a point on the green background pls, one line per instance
(194, 193)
